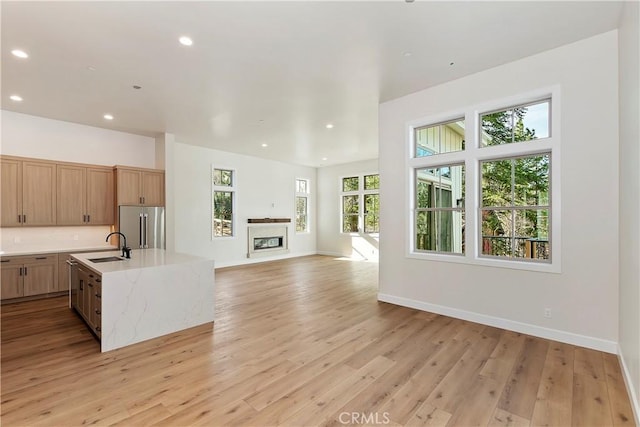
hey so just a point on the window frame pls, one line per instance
(306, 195)
(360, 193)
(227, 189)
(471, 156)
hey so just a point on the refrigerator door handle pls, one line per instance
(146, 230)
(141, 238)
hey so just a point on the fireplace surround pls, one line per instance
(267, 240)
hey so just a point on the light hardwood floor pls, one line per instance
(302, 342)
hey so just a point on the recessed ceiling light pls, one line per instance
(91, 68)
(108, 117)
(324, 158)
(185, 41)
(19, 53)
(264, 145)
(407, 54)
(329, 126)
(16, 98)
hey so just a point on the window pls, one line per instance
(488, 201)
(302, 205)
(439, 214)
(223, 202)
(361, 204)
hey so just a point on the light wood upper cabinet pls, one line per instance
(139, 187)
(153, 188)
(28, 193)
(85, 195)
(100, 196)
(11, 189)
(71, 187)
(38, 193)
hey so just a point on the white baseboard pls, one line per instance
(245, 261)
(525, 328)
(631, 391)
(335, 254)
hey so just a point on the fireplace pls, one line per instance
(267, 241)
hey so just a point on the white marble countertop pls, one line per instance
(140, 258)
(48, 249)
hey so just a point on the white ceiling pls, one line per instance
(265, 72)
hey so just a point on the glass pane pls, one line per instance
(371, 182)
(497, 226)
(301, 223)
(496, 183)
(372, 204)
(350, 223)
(450, 231)
(424, 194)
(497, 128)
(532, 234)
(535, 121)
(223, 213)
(301, 205)
(371, 212)
(523, 123)
(350, 205)
(425, 231)
(301, 186)
(222, 177)
(531, 181)
(440, 138)
(350, 184)
(371, 223)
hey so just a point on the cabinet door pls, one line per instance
(11, 193)
(100, 209)
(153, 188)
(71, 195)
(83, 278)
(39, 193)
(96, 307)
(129, 187)
(39, 278)
(88, 297)
(63, 273)
(11, 281)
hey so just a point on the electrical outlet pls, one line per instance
(75, 237)
(16, 239)
(547, 313)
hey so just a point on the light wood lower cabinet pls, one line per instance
(28, 275)
(86, 297)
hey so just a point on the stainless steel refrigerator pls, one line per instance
(143, 226)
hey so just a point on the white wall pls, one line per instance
(629, 75)
(260, 183)
(31, 136)
(330, 240)
(584, 297)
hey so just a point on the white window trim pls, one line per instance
(295, 205)
(360, 193)
(471, 157)
(233, 190)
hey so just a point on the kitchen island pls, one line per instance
(126, 301)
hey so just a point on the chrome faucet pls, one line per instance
(126, 250)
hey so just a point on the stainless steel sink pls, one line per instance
(106, 259)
